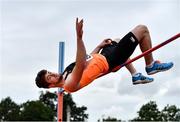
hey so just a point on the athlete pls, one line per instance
(104, 58)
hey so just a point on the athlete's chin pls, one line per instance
(59, 80)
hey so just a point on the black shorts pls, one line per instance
(118, 53)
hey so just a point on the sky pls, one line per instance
(30, 31)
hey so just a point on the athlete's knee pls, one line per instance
(142, 28)
(140, 31)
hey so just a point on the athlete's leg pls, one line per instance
(131, 68)
(142, 34)
(137, 77)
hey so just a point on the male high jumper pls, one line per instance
(104, 58)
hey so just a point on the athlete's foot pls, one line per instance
(141, 79)
(158, 67)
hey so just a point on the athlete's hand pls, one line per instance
(105, 42)
(79, 28)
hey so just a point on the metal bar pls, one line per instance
(152, 49)
(60, 90)
(145, 53)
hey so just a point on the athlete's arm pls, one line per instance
(72, 82)
(101, 45)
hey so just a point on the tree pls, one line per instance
(9, 110)
(170, 113)
(36, 111)
(149, 112)
(50, 100)
(77, 113)
(111, 119)
(44, 109)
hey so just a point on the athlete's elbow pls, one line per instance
(71, 90)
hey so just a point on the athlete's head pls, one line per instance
(46, 79)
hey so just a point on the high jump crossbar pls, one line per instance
(61, 68)
(145, 53)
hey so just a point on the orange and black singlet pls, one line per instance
(96, 65)
(109, 58)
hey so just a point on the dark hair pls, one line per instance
(40, 79)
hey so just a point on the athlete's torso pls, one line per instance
(96, 66)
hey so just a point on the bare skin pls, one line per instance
(72, 82)
(142, 34)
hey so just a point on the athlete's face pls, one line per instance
(53, 78)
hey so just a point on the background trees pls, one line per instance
(170, 113)
(77, 113)
(36, 111)
(9, 110)
(150, 112)
(44, 109)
